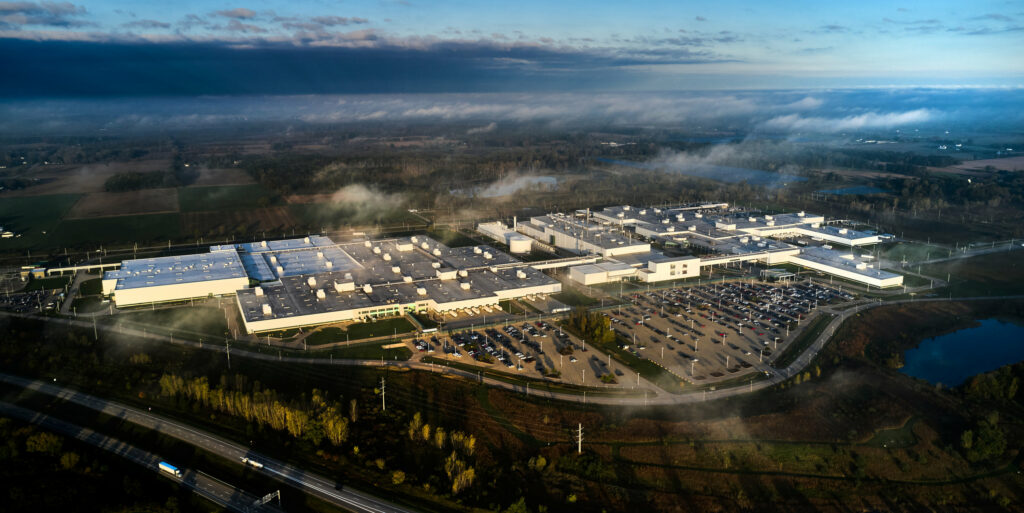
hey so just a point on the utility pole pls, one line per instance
(228, 350)
(383, 404)
(579, 439)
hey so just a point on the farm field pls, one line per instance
(31, 216)
(107, 204)
(221, 176)
(121, 229)
(273, 221)
(78, 179)
(224, 197)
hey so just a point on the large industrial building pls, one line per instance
(622, 237)
(303, 282)
(176, 278)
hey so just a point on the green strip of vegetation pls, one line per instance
(803, 340)
(57, 282)
(225, 197)
(91, 287)
(574, 298)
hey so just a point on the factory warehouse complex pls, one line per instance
(314, 280)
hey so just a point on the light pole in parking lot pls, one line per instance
(692, 363)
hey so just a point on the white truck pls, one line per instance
(167, 468)
(252, 463)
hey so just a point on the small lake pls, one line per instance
(953, 358)
(726, 174)
(859, 189)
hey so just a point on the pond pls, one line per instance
(953, 358)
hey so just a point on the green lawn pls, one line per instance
(994, 274)
(360, 330)
(31, 216)
(88, 305)
(125, 229)
(91, 287)
(803, 340)
(225, 197)
(184, 321)
(574, 298)
(57, 282)
(371, 352)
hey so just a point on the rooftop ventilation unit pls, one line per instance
(346, 286)
(425, 245)
(258, 291)
(273, 259)
(521, 275)
(435, 265)
(267, 310)
(477, 250)
(367, 244)
(311, 281)
(488, 255)
(280, 271)
(396, 269)
(319, 254)
(407, 279)
(376, 250)
(437, 252)
(414, 239)
(368, 288)
(464, 286)
(329, 264)
(387, 257)
(263, 244)
(421, 291)
(801, 213)
(320, 294)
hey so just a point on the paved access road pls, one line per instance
(319, 486)
(206, 486)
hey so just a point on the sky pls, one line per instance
(189, 47)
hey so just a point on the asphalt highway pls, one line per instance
(209, 487)
(316, 485)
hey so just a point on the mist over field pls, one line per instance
(765, 113)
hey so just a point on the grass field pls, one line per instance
(535, 384)
(360, 330)
(57, 282)
(372, 352)
(91, 287)
(574, 298)
(803, 340)
(31, 216)
(225, 197)
(184, 322)
(123, 229)
(994, 274)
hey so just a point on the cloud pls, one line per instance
(238, 13)
(869, 120)
(147, 24)
(833, 28)
(333, 21)
(482, 129)
(245, 28)
(701, 18)
(49, 14)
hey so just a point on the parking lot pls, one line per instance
(535, 349)
(712, 333)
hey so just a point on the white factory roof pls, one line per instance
(171, 270)
(845, 261)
